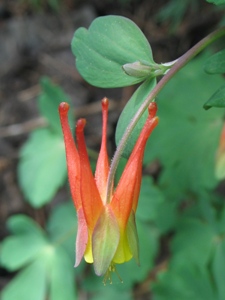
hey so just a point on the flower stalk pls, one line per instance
(179, 64)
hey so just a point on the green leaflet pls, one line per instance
(196, 268)
(215, 64)
(184, 282)
(217, 99)
(42, 166)
(28, 240)
(48, 102)
(218, 267)
(108, 44)
(42, 261)
(128, 113)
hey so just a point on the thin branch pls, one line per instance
(181, 62)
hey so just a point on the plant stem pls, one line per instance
(180, 63)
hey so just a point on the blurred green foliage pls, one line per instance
(42, 4)
(216, 2)
(42, 255)
(38, 173)
(174, 11)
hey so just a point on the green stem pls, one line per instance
(180, 63)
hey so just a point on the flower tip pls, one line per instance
(152, 109)
(156, 121)
(80, 125)
(64, 108)
(105, 103)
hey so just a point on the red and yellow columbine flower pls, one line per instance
(107, 232)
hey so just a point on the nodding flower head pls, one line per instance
(107, 232)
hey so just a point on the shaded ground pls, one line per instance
(35, 43)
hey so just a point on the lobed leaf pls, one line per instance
(48, 270)
(31, 283)
(63, 232)
(186, 282)
(21, 224)
(48, 102)
(215, 64)
(108, 44)
(150, 200)
(62, 285)
(218, 268)
(194, 241)
(42, 167)
(217, 99)
(196, 270)
(23, 247)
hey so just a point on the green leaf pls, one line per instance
(23, 247)
(172, 13)
(167, 215)
(194, 241)
(63, 232)
(62, 285)
(28, 284)
(187, 136)
(218, 267)
(150, 200)
(185, 282)
(217, 99)
(108, 44)
(47, 267)
(21, 224)
(216, 2)
(111, 292)
(128, 113)
(215, 64)
(120, 168)
(42, 167)
(221, 223)
(196, 269)
(26, 247)
(49, 101)
(202, 287)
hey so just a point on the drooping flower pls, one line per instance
(107, 232)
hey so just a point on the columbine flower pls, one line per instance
(107, 232)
